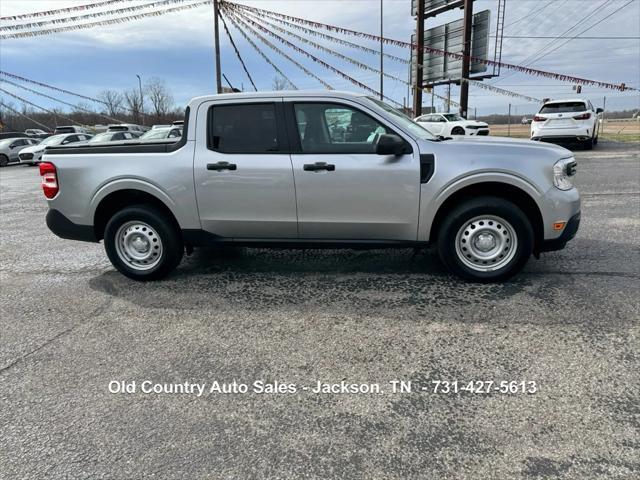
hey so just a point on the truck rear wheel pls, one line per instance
(486, 239)
(143, 243)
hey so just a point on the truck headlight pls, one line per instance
(563, 172)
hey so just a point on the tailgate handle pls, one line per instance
(221, 166)
(318, 166)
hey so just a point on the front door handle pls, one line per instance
(318, 166)
(221, 166)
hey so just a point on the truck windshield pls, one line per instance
(404, 121)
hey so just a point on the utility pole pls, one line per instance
(381, 50)
(448, 97)
(509, 122)
(216, 40)
(417, 88)
(141, 100)
(466, 61)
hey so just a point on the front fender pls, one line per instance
(434, 196)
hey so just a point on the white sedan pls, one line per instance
(446, 124)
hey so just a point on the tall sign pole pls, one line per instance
(381, 50)
(216, 36)
(417, 88)
(466, 61)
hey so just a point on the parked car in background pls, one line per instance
(447, 124)
(37, 133)
(126, 127)
(179, 123)
(33, 154)
(162, 133)
(570, 120)
(160, 126)
(113, 136)
(11, 147)
(526, 121)
(70, 129)
(11, 135)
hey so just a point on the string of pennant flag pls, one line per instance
(261, 23)
(431, 50)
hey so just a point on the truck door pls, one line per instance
(242, 171)
(345, 191)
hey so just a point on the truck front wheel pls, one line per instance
(486, 239)
(143, 243)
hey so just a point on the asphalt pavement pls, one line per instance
(72, 330)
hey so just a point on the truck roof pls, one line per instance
(276, 94)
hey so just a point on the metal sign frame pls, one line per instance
(440, 69)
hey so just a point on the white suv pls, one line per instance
(567, 121)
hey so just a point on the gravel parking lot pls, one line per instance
(70, 324)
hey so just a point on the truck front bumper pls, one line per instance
(65, 228)
(568, 233)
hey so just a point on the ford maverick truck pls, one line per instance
(313, 170)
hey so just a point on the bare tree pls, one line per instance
(113, 101)
(160, 98)
(134, 104)
(279, 83)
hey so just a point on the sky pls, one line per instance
(178, 47)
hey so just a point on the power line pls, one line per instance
(435, 51)
(573, 38)
(586, 29)
(532, 58)
(233, 44)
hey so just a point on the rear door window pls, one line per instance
(243, 128)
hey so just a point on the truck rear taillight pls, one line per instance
(584, 116)
(49, 179)
(538, 119)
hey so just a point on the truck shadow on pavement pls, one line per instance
(379, 282)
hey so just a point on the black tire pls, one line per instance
(504, 217)
(165, 233)
(457, 131)
(4, 160)
(595, 141)
(588, 144)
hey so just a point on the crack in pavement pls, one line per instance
(97, 312)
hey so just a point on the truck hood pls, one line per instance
(505, 145)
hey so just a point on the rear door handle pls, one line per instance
(221, 166)
(318, 166)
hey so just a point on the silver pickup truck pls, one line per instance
(313, 170)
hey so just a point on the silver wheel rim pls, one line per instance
(486, 243)
(138, 245)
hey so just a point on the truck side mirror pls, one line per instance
(599, 110)
(389, 144)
